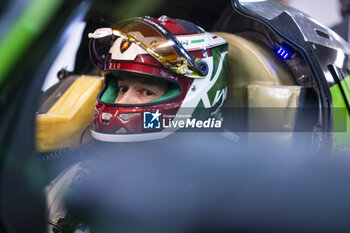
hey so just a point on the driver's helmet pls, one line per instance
(190, 60)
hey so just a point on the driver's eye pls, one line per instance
(148, 93)
(123, 89)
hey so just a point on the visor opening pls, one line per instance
(111, 90)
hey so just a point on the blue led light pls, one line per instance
(283, 53)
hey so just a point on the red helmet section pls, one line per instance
(174, 27)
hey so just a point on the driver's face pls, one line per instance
(138, 90)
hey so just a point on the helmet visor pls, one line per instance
(150, 36)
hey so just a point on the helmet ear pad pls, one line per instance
(202, 68)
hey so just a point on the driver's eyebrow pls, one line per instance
(159, 84)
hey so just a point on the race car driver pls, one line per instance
(157, 66)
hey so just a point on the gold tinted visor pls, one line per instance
(150, 36)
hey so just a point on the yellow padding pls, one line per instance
(272, 107)
(63, 124)
(280, 104)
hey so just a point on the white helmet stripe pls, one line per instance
(200, 41)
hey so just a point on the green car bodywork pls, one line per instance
(25, 30)
(341, 134)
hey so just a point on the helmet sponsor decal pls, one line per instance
(124, 45)
(200, 41)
